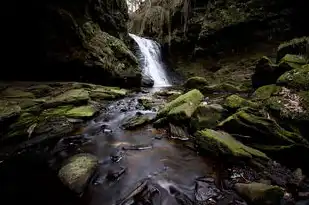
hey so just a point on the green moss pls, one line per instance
(296, 59)
(82, 112)
(22, 124)
(297, 78)
(221, 143)
(75, 96)
(195, 82)
(234, 102)
(184, 105)
(258, 193)
(57, 111)
(265, 92)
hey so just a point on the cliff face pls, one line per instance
(67, 40)
(197, 27)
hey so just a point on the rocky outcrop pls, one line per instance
(83, 40)
(29, 116)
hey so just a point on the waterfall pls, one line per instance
(151, 61)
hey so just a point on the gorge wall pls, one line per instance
(199, 28)
(84, 40)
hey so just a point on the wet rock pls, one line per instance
(265, 92)
(137, 121)
(260, 194)
(290, 62)
(196, 83)
(77, 172)
(115, 174)
(207, 116)
(205, 191)
(117, 155)
(234, 102)
(220, 143)
(146, 102)
(297, 78)
(182, 108)
(177, 132)
(147, 81)
(181, 198)
(167, 93)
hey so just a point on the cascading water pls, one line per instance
(151, 61)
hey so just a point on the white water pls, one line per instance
(151, 64)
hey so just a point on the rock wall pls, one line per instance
(198, 28)
(81, 40)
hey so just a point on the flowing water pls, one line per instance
(162, 171)
(151, 61)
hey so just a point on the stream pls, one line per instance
(165, 170)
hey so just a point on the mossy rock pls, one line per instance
(296, 79)
(16, 93)
(57, 111)
(265, 92)
(75, 96)
(266, 72)
(107, 93)
(297, 46)
(40, 90)
(146, 102)
(260, 194)
(161, 123)
(182, 107)
(220, 144)
(234, 102)
(261, 130)
(222, 87)
(195, 82)
(136, 121)
(207, 116)
(294, 60)
(8, 112)
(20, 127)
(77, 172)
(86, 111)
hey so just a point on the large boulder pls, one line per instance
(77, 172)
(260, 194)
(183, 107)
(222, 144)
(260, 129)
(137, 121)
(234, 102)
(72, 41)
(207, 116)
(196, 82)
(266, 72)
